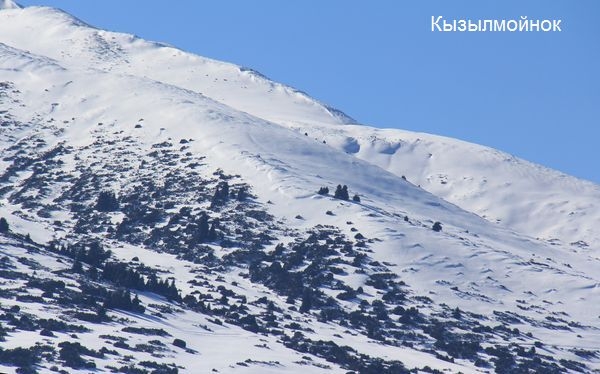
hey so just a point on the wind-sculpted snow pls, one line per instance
(504, 189)
(170, 213)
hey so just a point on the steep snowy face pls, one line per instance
(198, 177)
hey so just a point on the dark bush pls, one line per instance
(341, 192)
(121, 299)
(107, 202)
(71, 353)
(3, 225)
(46, 332)
(179, 343)
(21, 357)
(145, 331)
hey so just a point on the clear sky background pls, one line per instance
(535, 95)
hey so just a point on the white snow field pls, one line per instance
(518, 253)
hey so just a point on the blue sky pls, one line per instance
(535, 95)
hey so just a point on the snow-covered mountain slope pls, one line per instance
(534, 200)
(198, 172)
(490, 183)
(69, 40)
(524, 196)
